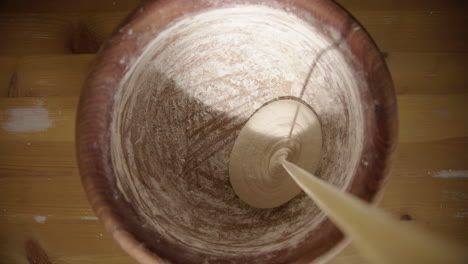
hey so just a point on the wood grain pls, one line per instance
(428, 73)
(7, 70)
(39, 178)
(439, 204)
(433, 117)
(59, 6)
(353, 5)
(50, 75)
(421, 30)
(34, 34)
(413, 26)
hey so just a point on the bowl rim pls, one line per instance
(94, 114)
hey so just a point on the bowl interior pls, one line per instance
(168, 96)
(181, 106)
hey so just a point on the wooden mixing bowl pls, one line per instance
(168, 95)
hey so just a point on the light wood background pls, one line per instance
(46, 48)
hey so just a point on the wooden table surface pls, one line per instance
(46, 48)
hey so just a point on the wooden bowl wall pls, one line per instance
(155, 127)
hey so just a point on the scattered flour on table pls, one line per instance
(449, 174)
(40, 219)
(27, 119)
(89, 218)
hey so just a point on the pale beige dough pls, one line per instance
(255, 173)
